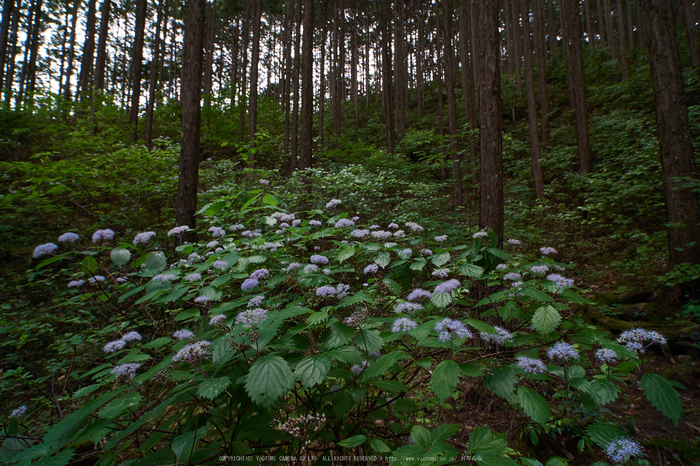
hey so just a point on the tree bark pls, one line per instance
(36, 38)
(156, 62)
(691, 27)
(541, 56)
(307, 89)
(609, 28)
(254, 61)
(468, 94)
(622, 39)
(531, 103)
(101, 58)
(294, 152)
(137, 66)
(71, 52)
(552, 28)
(209, 47)
(88, 52)
(589, 25)
(491, 186)
(7, 13)
(190, 97)
(27, 51)
(571, 31)
(449, 52)
(675, 141)
(386, 78)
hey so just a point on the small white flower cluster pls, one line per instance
(500, 338)
(531, 366)
(217, 232)
(562, 351)
(638, 339)
(448, 329)
(303, 426)
(251, 317)
(44, 249)
(68, 238)
(448, 286)
(144, 237)
(403, 324)
(414, 226)
(102, 235)
(193, 352)
(177, 231)
(183, 335)
(126, 370)
(333, 203)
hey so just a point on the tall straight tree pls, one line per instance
(571, 30)
(468, 94)
(101, 59)
(531, 101)
(12, 50)
(71, 51)
(156, 65)
(7, 12)
(491, 186)
(541, 56)
(386, 76)
(86, 64)
(137, 66)
(449, 53)
(36, 38)
(620, 14)
(190, 97)
(254, 61)
(307, 87)
(675, 141)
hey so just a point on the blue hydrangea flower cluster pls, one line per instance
(539, 269)
(164, 277)
(183, 335)
(193, 352)
(292, 266)
(441, 238)
(502, 337)
(562, 351)
(132, 336)
(408, 308)
(96, 279)
(260, 274)
(102, 235)
(311, 268)
(256, 301)
(44, 249)
(447, 287)
(217, 319)
(403, 324)
(76, 283)
(448, 329)
(512, 276)
(343, 223)
(19, 412)
(202, 299)
(639, 339)
(177, 231)
(606, 355)
(221, 265)
(318, 259)
(193, 277)
(333, 203)
(371, 268)
(69, 238)
(249, 284)
(414, 226)
(480, 234)
(622, 449)
(251, 317)
(530, 365)
(547, 250)
(315, 223)
(441, 273)
(126, 370)
(144, 237)
(381, 234)
(418, 294)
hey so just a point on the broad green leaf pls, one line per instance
(481, 326)
(383, 364)
(312, 370)
(338, 334)
(174, 295)
(441, 299)
(502, 382)
(471, 370)
(421, 436)
(390, 385)
(445, 378)
(346, 354)
(120, 256)
(86, 390)
(231, 258)
(269, 378)
(188, 314)
(379, 446)
(383, 259)
(418, 265)
(317, 318)
(256, 259)
(605, 390)
(89, 265)
(534, 405)
(155, 261)
(358, 297)
(157, 343)
(603, 433)
(498, 253)
(440, 259)
(270, 200)
(212, 208)
(471, 270)
(663, 396)
(345, 253)
(118, 406)
(221, 280)
(211, 388)
(536, 294)
(354, 441)
(443, 432)
(546, 319)
(369, 340)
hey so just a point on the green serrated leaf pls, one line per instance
(440, 259)
(383, 259)
(603, 433)
(663, 396)
(86, 390)
(441, 300)
(481, 326)
(118, 406)
(345, 253)
(471, 270)
(418, 265)
(270, 200)
(443, 432)
(421, 436)
(338, 334)
(534, 405)
(312, 370)
(356, 298)
(605, 391)
(379, 446)
(383, 364)
(537, 294)
(155, 261)
(354, 441)
(390, 385)
(120, 256)
(269, 378)
(445, 378)
(546, 319)
(211, 388)
(369, 340)
(502, 382)
(498, 253)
